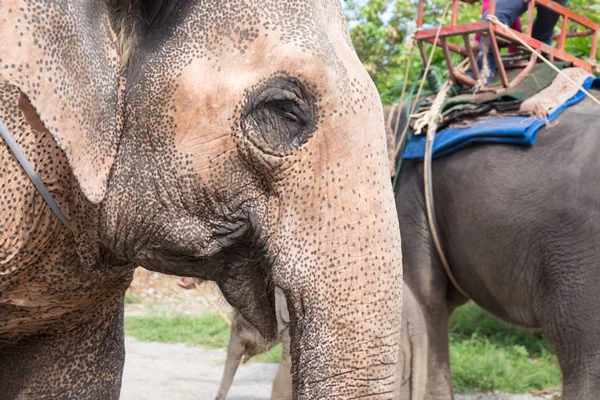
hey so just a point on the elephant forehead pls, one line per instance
(242, 36)
(207, 96)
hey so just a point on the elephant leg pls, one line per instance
(424, 274)
(419, 344)
(282, 385)
(418, 382)
(572, 324)
(439, 380)
(235, 353)
(85, 363)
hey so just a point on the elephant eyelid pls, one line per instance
(289, 110)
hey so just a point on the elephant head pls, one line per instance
(239, 141)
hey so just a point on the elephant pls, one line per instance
(411, 381)
(236, 141)
(245, 342)
(519, 227)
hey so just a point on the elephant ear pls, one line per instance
(62, 55)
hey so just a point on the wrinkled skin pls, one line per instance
(520, 228)
(234, 141)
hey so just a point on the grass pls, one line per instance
(209, 330)
(486, 355)
(131, 298)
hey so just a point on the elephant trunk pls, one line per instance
(346, 295)
(347, 354)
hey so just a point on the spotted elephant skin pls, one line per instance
(520, 228)
(238, 141)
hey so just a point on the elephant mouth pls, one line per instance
(226, 256)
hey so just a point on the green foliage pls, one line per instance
(488, 355)
(379, 29)
(271, 356)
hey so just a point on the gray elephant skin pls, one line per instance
(245, 342)
(520, 228)
(235, 141)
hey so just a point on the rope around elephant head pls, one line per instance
(31, 173)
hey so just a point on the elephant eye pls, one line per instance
(279, 116)
(288, 110)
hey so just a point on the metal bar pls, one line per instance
(576, 34)
(562, 39)
(448, 57)
(594, 46)
(32, 174)
(543, 47)
(455, 4)
(420, 13)
(471, 56)
(562, 10)
(475, 27)
(453, 47)
(422, 51)
(498, 57)
(517, 79)
(530, 19)
(464, 79)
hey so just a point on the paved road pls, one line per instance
(159, 371)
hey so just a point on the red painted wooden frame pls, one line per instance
(495, 32)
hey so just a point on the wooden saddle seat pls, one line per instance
(499, 36)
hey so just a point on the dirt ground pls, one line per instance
(154, 292)
(158, 371)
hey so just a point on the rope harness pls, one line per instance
(30, 171)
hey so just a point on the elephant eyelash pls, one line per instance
(288, 110)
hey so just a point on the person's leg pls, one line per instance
(543, 27)
(519, 28)
(507, 11)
